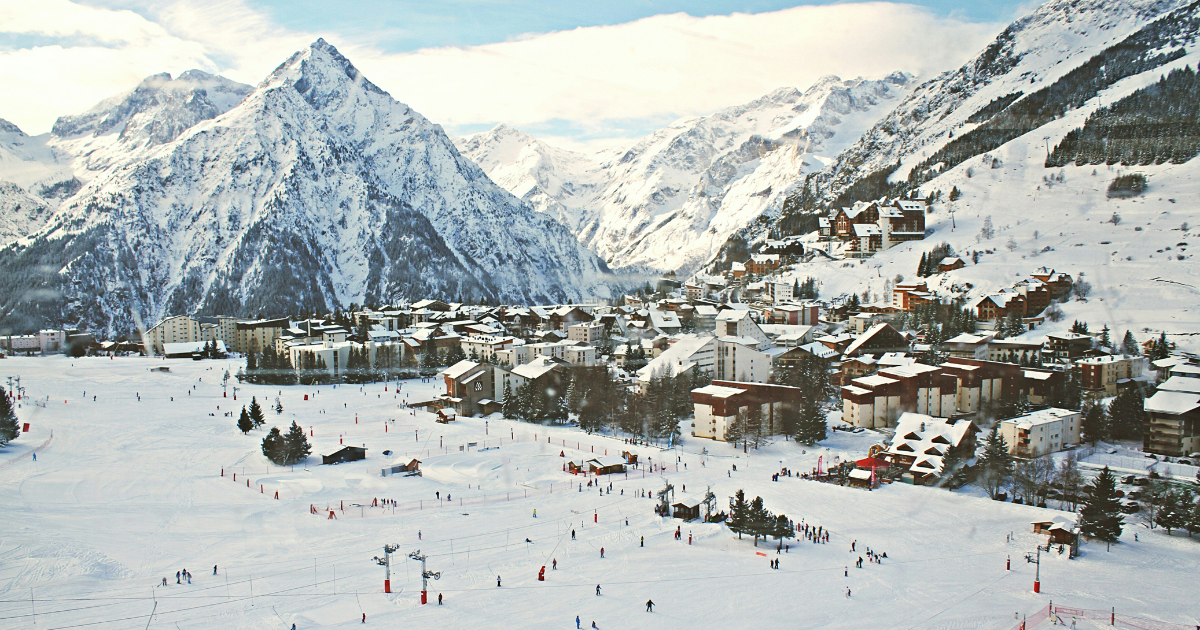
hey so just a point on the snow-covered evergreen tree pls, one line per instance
(245, 424)
(1101, 514)
(256, 412)
(296, 444)
(10, 429)
(273, 446)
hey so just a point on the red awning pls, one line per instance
(871, 462)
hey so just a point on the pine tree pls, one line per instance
(244, 423)
(1095, 424)
(953, 474)
(759, 522)
(296, 444)
(1162, 349)
(1079, 328)
(10, 428)
(739, 513)
(509, 404)
(954, 193)
(1101, 514)
(256, 413)
(429, 360)
(252, 375)
(812, 424)
(273, 447)
(1129, 345)
(996, 462)
(1193, 524)
(1105, 340)
(782, 529)
(921, 267)
(1175, 510)
(1127, 414)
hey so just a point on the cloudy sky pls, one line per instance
(582, 75)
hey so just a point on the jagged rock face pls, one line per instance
(318, 189)
(673, 198)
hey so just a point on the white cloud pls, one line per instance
(671, 65)
(577, 83)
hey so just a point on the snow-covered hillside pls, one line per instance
(31, 182)
(316, 190)
(108, 509)
(671, 200)
(1032, 53)
(555, 181)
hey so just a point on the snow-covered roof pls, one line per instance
(1181, 384)
(896, 358)
(968, 338)
(460, 368)
(732, 315)
(190, 347)
(535, 369)
(718, 391)
(1186, 368)
(1037, 376)
(908, 371)
(678, 357)
(608, 460)
(866, 336)
(874, 380)
(1173, 403)
(1042, 416)
(1168, 362)
(866, 229)
(819, 350)
(927, 439)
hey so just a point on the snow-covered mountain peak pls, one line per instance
(322, 75)
(672, 198)
(7, 127)
(158, 109)
(316, 190)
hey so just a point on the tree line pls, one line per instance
(752, 518)
(1136, 54)
(1154, 125)
(271, 368)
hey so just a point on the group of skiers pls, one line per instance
(814, 534)
(182, 575)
